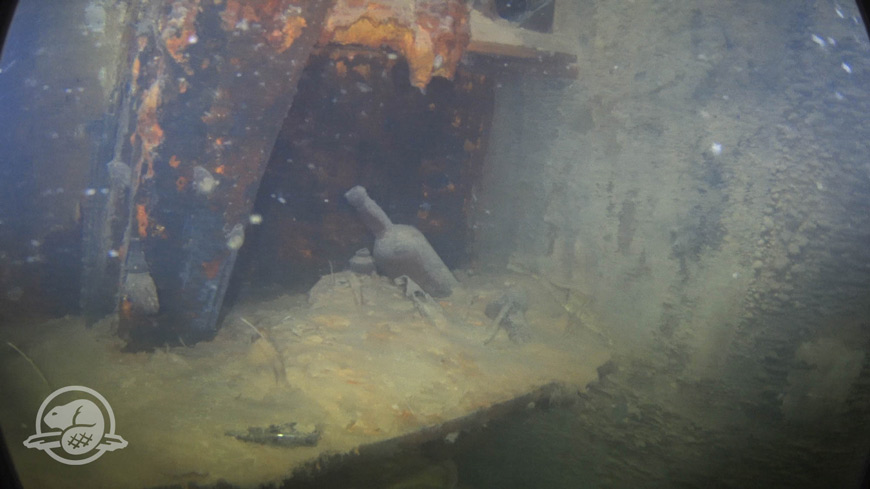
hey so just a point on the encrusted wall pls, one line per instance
(701, 193)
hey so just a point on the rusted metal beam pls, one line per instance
(430, 34)
(208, 84)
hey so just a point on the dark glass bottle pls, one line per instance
(400, 249)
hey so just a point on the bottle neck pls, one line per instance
(370, 212)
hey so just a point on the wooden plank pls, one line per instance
(499, 47)
(498, 60)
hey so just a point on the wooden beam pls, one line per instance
(499, 47)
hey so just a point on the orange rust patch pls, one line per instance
(175, 45)
(220, 170)
(432, 36)
(230, 16)
(183, 85)
(147, 128)
(368, 32)
(234, 13)
(180, 183)
(341, 69)
(142, 220)
(291, 30)
(178, 34)
(174, 161)
(126, 308)
(469, 146)
(250, 14)
(136, 65)
(212, 268)
(365, 71)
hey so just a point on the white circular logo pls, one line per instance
(75, 425)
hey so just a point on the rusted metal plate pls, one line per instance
(430, 34)
(208, 86)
